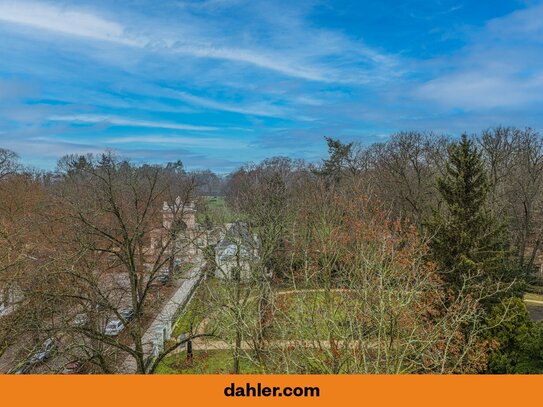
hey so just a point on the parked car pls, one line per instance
(114, 327)
(74, 367)
(2, 308)
(127, 313)
(80, 320)
(164, 278)
(44, 352)
(161, 279)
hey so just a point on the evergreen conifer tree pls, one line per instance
(340, 159)
(469, 243)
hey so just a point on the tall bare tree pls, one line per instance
(116, 243)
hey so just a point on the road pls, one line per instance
(166, 317)
(15, 354)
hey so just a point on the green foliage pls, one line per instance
(175, 167)
(340, 158)
(519, 340)
(213, 210)
(204, 362)
(193, 314)
(534, 289)
(468, 243)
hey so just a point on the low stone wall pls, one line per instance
(171, 312)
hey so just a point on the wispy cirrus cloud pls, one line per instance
(483, 90)
(221, 143)
(501, 67)
(256, 109)
(217, 79)
(123, 121)
(65, 20)
(299, 62)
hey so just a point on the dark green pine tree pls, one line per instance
(469, 244)
(340, 159)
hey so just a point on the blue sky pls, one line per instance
(217, 83)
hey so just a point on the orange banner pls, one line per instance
(224, 390)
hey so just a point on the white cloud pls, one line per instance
(298, 58)
(256, 109)
(500, 68)
(260, 59)
(121, 121)
(477, 90)
(179, 140)
(523, 24)
(70, 22)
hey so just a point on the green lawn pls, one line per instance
(197, 309)
(183, 324)
(299, 319)
(204, 362)
(301, 309)
(187, 266)
(215, 202)
(193, 313)
(216, 210)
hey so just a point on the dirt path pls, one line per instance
(534, 301)
(318, 344)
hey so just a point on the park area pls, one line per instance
(307, 331)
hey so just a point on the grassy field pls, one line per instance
(215, 202)
(183, 324)
(300, 309)
(299, 315)
(216, 209)
(187, 266)
(204, 362)
(193, 314)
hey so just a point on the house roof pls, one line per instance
(236, 236)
